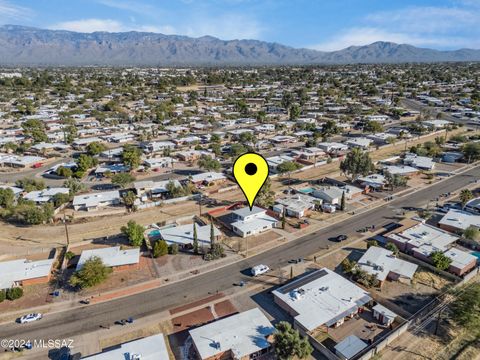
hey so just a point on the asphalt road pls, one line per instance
(89, 318)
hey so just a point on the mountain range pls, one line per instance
(27, 46)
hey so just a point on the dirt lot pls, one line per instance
(95, 227)
(123, 278)
(33, 295)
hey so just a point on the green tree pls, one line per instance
(160, 248)
(86, 162)
(265, 197)
(294, 112)
(95, 148)
(343, 202)
(14, 293)
(131, 156)
(471, 151)
(289, 343)
(64, 172)
(35, 129)
(357, 163)
(394, 180)
(30, 184)
(208, 163)
(393, 248)
(465, 196)
(74, 186)
(129, 200)
(373, 126)
(93, 272)
(472, 233)
(60, 199)
(195, 240)
(371, 243)
(466, 307)
(287, 167)
(134, 232)
(440, 260)
(3, 296)
(329, 128)
(123, 179)
(7, 198)
(348, 265)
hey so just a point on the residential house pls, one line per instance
(320, 299)
(24, 272)
(246, 222)
(151, 347)
(183, 234)
(94, 201)
(114, 257)
(244, 336)
(296, 205)
(384, 265)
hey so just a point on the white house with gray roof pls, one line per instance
(248, 222)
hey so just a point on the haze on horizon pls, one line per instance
(319, 25)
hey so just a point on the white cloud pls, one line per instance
(132, 6)
(429, 26)
(109, 25)
(11, 12)
(89, 25)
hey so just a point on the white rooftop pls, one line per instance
(460, 258)
(460, 219)
(380, 262)
(350, 346)
(95, 199)
(243, 334)
(327, 298)
(18, 270)
(208, 177)
(425, 235)
(148, 348)
(183, 234)
(111, 256)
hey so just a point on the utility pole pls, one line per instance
(66, 229)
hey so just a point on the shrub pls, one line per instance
(160, 248)
(14, 293)
(173, 249)
(69, 255)
(3, 296)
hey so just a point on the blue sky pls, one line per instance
(316, 24)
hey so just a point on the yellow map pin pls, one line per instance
(250, 171)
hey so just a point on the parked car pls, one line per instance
(259, 269)
(30, 318)
(341, 238)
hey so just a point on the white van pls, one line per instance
(259, 269)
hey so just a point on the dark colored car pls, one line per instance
(340, 238)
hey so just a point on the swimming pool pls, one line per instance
(154, 233)
(306, 190)
(477, 255)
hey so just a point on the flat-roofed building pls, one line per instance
(322, 298)
(24, 272)
(114, 257)
(148, 348)
(383, 263)
(244, 336)
(183, 234)
(458, 221)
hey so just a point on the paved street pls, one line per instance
(90, 318)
